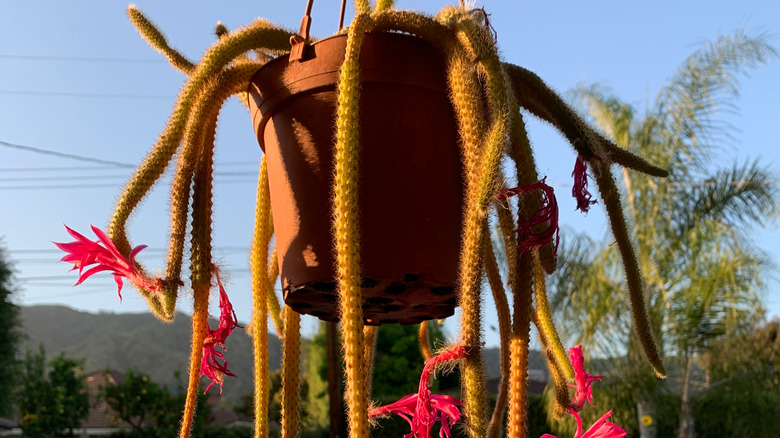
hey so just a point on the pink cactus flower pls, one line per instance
(580, 189)
(582, 379)
(84, 252)
(423, 410)
(600, 429)
(547, 215)
(214, 365)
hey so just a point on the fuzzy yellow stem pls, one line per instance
(345, 229)
(260, 34)
(201, 271)
(199, 137)
(561, 400)
(155, 38)
(200, 326)
(383, 5)
(260, 286)
(544, 321)
(274, 309)
(480, 189)
(609, 193)
(520, 281)
(535, 96)
(425, 345)
(504, 330)
(362, 7)
(417, 24)
(369, 339)
(291, 370)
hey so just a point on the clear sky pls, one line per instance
(75, 78)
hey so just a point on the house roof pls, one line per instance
(100, 415)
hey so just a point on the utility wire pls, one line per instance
(145, 250)
(94, 177)
(64, 155)
(80, 58)
(89, 95)
(100, 168)
(104, 186)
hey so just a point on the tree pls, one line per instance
(9, 335)
(702, 276)
(53, 404)
(151, 409)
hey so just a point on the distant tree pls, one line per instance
(701, 272)
(9, 335)
(151, 409)
(52, 405)
(745, 362)
(136, 399)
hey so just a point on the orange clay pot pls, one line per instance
(410, 177)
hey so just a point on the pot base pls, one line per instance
(408, 300)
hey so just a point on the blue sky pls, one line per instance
(77, 79)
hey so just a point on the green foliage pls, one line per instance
(738, 414)
(703, 277)
(750, 360)
(152, 410)
(315, 404)
(398, 362)
(53, 404)
(9, 335)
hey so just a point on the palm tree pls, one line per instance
(702, 277)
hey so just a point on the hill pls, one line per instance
(137, 340)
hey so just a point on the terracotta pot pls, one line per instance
(411, 177)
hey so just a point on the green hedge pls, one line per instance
(726, 414)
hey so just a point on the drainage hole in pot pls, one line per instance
(368, 283)
(379, 300)
(323, 286)
(442, 290)
(392, 307)
(410, 278)
(331, 298)
(395, 288)
(300, 305)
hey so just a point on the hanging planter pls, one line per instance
(382, 166)
(410, 178)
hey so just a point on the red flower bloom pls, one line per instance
(582, 379)
(600, 429)
(426, 409)
(580, 189)
(84, 252)
(547, 215)
(214, 365)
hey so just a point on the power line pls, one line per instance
(53, 168)
(145, 250)
(93, 177)
(88, 95)
(80, 59)
(62, 178)
(104, 186)
(100, 168)
(64, 155)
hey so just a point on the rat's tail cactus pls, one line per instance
(486, 95)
